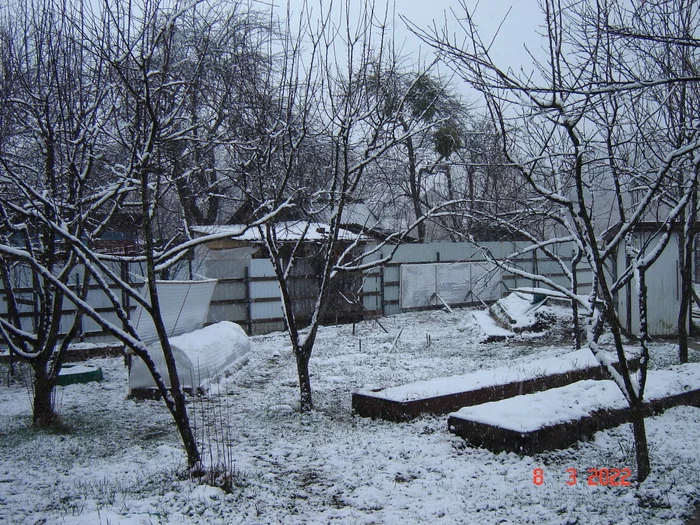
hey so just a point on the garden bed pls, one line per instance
(76, 352)
(559, 417)
(446, 394)
(77, 374)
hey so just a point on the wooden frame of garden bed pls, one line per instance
(372, 404)
(561, 435)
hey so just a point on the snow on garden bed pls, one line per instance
(441, 386)
(80, 373)
(558, 417)
(445, 394)
(542, 409)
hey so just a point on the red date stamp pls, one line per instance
(602, 477)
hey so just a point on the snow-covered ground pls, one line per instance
(120, 460)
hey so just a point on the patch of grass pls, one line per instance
(70, 506)
(627, 452)
(107, 493)
(653, 499)
(404, 478)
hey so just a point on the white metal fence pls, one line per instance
(247, 292)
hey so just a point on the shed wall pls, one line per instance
(663, 290)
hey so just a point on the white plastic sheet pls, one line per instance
(184, 306)
(455, 283)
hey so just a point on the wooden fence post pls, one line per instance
(534, 267)
(248, 307)
(381, 289)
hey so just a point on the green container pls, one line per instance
(74, 374)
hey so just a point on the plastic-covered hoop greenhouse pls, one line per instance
(199, 355)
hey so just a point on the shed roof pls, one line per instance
(288, 231)
(648, 227)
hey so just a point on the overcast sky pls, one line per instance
(519, 22)
(519, 19)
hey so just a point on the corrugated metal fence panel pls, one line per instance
(264, 290)
(663, 289)
(265, 309)
(260, 268)
(230, 290)
(225, 269)
(247, 292)
(229, 311)
(96, 298)
(229, 301)
(371, 290)
(266, 312)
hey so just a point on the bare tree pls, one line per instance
(171, 122)
(328, 127)
(567, 129)
(52, 113)
(90, 128)
(659, 35)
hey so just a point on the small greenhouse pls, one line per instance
(199, 355)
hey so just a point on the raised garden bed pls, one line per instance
(447, 394)
(559, 417)
(78, 352)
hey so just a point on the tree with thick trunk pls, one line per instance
(572, 133)
(327, 129)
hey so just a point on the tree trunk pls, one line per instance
(194, 460)
(683, 316)
(175, 401)
(686, 244)
(641, 447)
(575, 325)
(44, 410)
(182, 420)
(305, 400)
(414, 181)
(178, 407)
